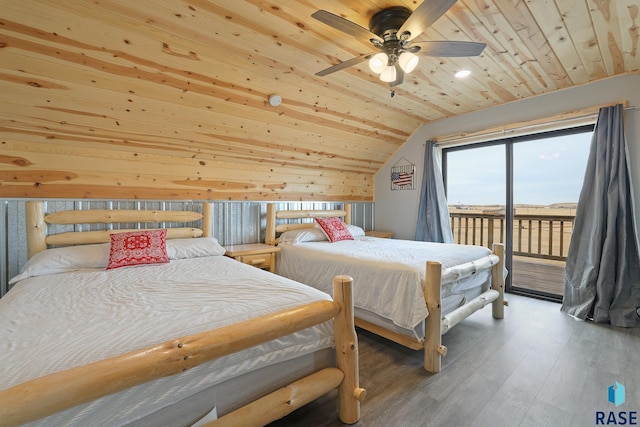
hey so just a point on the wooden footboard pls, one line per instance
(436, 324)
(56, 392)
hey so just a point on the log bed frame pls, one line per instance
(436, 324)
(58, 391)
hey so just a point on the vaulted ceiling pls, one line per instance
(169, 99)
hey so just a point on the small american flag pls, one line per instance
(401, 178)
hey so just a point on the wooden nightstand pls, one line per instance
(255, 254)
(383, 234)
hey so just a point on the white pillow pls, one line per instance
(300, 236)
(194, 248)
(314, 235)
(62, 260)
(355, 230)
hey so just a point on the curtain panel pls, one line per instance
(434, 224)
(602, 277)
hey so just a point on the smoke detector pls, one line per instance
(275, 100)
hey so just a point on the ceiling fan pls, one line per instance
(391, 32)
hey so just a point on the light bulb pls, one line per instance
(378, 62)
(408, 61)
(388, 74)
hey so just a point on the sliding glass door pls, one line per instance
(476, 189)
(522, 192)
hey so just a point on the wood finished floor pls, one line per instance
(537, 367)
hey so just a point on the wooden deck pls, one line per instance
(538, 274)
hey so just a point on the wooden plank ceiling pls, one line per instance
(169, 99)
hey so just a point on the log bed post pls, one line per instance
(497, 282)
(207, 219)
(433, 348)
(270, 231)
(349, 392)
(36, 227)
(347, 217)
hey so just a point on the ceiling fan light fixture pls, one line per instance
(378, 62)
(408, 61)
(388, 74)
(394, 32)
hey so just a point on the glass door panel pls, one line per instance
(476, 189)
(547, 178)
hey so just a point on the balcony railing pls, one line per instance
(537, 236)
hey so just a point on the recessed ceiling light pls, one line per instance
(462, 74)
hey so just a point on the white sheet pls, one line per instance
(54, 322)
(388, 273)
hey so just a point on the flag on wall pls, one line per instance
(402, 176)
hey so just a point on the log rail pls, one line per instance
(49, 394)
(435, 324)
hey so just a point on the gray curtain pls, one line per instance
(602, 278)
(433, 213)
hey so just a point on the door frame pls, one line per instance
(508, 143)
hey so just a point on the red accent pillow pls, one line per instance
(138, 247)
(334, 228)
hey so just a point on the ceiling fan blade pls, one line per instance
(399, 76)
(424, 16)
(345, 64)
(449, 48)
(344, 25)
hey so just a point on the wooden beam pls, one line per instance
(401, 339)
(108, 216)
(433, 348)
(281, 228)
(497, 282)
(207, 219)
(350, 393)
(103, 236)
(36, 227)
(310, 214)
(270, 232)
(347, 213)
(283, 401)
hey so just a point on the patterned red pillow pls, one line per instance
(138, 247)
(334, 228)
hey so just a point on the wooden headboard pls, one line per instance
(273, 229)
(37, 220)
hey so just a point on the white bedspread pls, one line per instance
(388, 273)
(54, 322)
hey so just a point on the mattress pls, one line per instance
(389, 275)
(58, 321)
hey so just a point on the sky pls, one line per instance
(546, 171)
